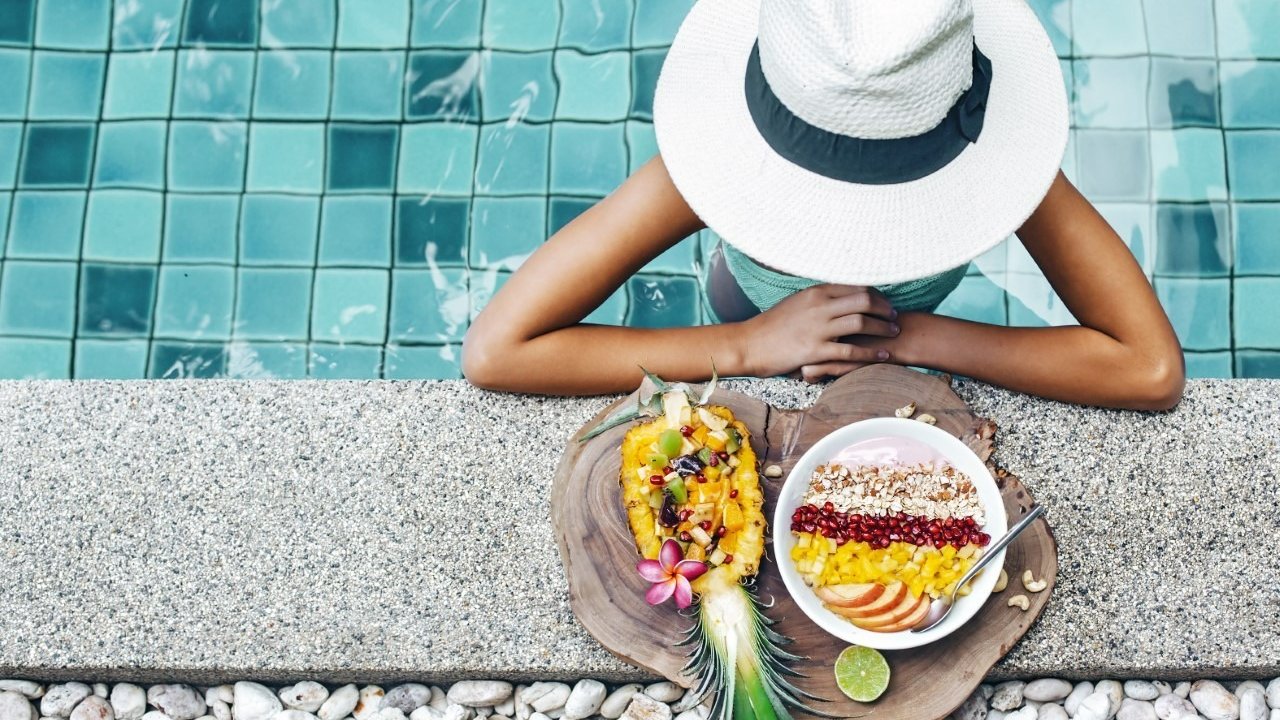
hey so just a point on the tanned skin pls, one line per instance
(530, 337)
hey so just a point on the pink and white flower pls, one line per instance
(670, 575)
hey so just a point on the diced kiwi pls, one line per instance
(735, 440)
(657, 461)
(670, 442)
(678, 492)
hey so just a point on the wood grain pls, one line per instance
(928, 682)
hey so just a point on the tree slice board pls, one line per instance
(607, 594)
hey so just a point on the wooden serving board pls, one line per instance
(607, 594)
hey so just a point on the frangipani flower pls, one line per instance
(670, 575)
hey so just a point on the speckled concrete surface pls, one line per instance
(377, 531)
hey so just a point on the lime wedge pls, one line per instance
(862, 673)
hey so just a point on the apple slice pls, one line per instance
(908, 605)
(891, 597)
(849, 595)
(911, 620)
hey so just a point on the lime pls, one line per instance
(862, 673)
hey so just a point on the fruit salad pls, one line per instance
(883, 529)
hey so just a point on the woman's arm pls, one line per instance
(529, 338)
(1123, 354)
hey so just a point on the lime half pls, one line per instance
(862, 673)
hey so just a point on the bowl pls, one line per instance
(797, 482)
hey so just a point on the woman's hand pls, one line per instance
(802, 334)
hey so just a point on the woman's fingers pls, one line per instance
(822, 371)
(842, 352)
(863, 325)
(854, 300)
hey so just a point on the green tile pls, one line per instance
(57, 155)
(201, 228)
(429, 305)
(17, 21)
(123, 225)
(381, 24)
(66, 85)
(31, 359)
(46, 225)
(1199, 310)
(139, 85)
(1194, 240)
(195, 302)
(15, 75)
(1108, 27)
(206, 155)
(677, 259)
(419, 362)
(1181, 27)
(1257, 364)
(512, 159)
(441, 85)
(642, 144)
(1249, 179)
(659, 302)
(286, 157)
(446, 24)
(213, 83)
(221, 22)
(431, 230)
(1257, 306)
(131, 154)
(116, 299)
(173, 360)
(1208, 364)
(368, 85)
(111, 359)
(73, 24)
(350, 305)
(345, 362)
(1188, 164)
(266, 361)
(976, 299)
(1111, 92)
(362, 157)
(1257, 238)
(596, 25)
(656, 21)
(520, 24)
(587, 159)
(506, 230)
(645, 67)
(292, 85)
(38, 298)
(437, 158)
(1183, 93)
(593, 87)
(299, 23)
(562, 211)
(273, 303)
(516, 85)
(146, 25)
(356, 231)
(279, 230)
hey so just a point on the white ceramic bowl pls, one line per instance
(793, 490)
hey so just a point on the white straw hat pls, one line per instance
(862, 141)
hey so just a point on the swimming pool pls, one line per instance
(333, 188)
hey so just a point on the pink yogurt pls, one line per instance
(891, 451)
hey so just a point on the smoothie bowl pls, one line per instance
(877, 520)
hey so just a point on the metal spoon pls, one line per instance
(939, 609)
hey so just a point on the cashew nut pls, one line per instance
(1002, 582)
(1030, 582)
(773, 471)
(907, 411)
(928, 419)
(1020, 601)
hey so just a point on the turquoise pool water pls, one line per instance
(333, 188)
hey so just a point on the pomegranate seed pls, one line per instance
(705, 524)
(713, 461)
(701, 478)
(723, 456)
(722, 531)
(841, 540)
(685, 430)
(733, 493)
(667, 470)
(808, 527)
(657, 480)
(685, 536)
(828, 508)
(685, 515)
(728, 559)
(939, 543)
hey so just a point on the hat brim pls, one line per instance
(809, 225)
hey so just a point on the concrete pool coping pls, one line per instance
(348, 531)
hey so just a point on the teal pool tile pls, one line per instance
(1208, 364)
(356, 231)
(429, 305)
(1200, 310)
(1020, 315)
(1182, 28)
(512, 159)
(273, 303)
(587, 159)
(33, 359)
(123, 226)
(111, 359)
(201, 228)
(350, 305)
(187, 360)
(1249, 99)
(520, 24)
(642, 144)
(194, 302)
(368, 85)
(6, 199)
(287, 157)
(206, 155)
(266, 361)
(437, 158)
(1194, 240)
(146, 25)
(66, 85)
(1249, 178)
(46, 225)
(16, 22)
(1055, 16)
(446, 23)
(431, 230)
(362, 157)
(645, 68)
(1184, 93)
(1257, 240)
(1248, 28)
(506, 230)
(596, 25)
(561, 211)
(482, 285)
(116, 300)
(976, 299)
(131, 154)
(658, 302)
(292, 85)
(680, 258)
(1110, 92)
(73, 24)
(613, 311)
(656, 21)
(213, 83)
(520, 86)
(423, 362)
(15, 73)
(1113, 164)
(279, 230)
(1108, 27)
(1256, 364)
(1257, 307)
(328, 361)
(593, 87)
(299, 23)
(139, 85)
(1188, 164)
(38, 298)
(381, 24)
(441, 85)
(1132, 222)
(57, 155)
(221, 22)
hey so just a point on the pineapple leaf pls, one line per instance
(709, 389)
(620, 416)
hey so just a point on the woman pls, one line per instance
(855, 155)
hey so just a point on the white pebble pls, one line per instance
(1141, 690)
(1172, 707)
(369, 702)
(645, 707)
(584, 700)
(617, 702)
(506, 708)
(1182, 689)
(1273, 694)
(155, 715)
(1047, 690)
(340, 703)
(1253, 705)
(93, 708)
(1131, 709)
(60, 700)
(545, 697)
(457, 712)
(253, 702)
(1213, 701)
(220, 693)
(987, 690)
(386, 713)
(220, 710)
(16, 706)
(1008, 695)
(1239, 690)
(1081, 691)
(993, 715)
(1095, 707)
(1052, 711)
(306, 696)
(26, 688)
(101, 690)
(539, 716)
(291, 714)
(128, 701)
(1162, 687)
(1115, 695)
(688, 715)
(480, 693)
(178, 701)
(407, 697)
(1275, 714)
(426, 712)
(1023, 713)
(974, 707)
(666, 691)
